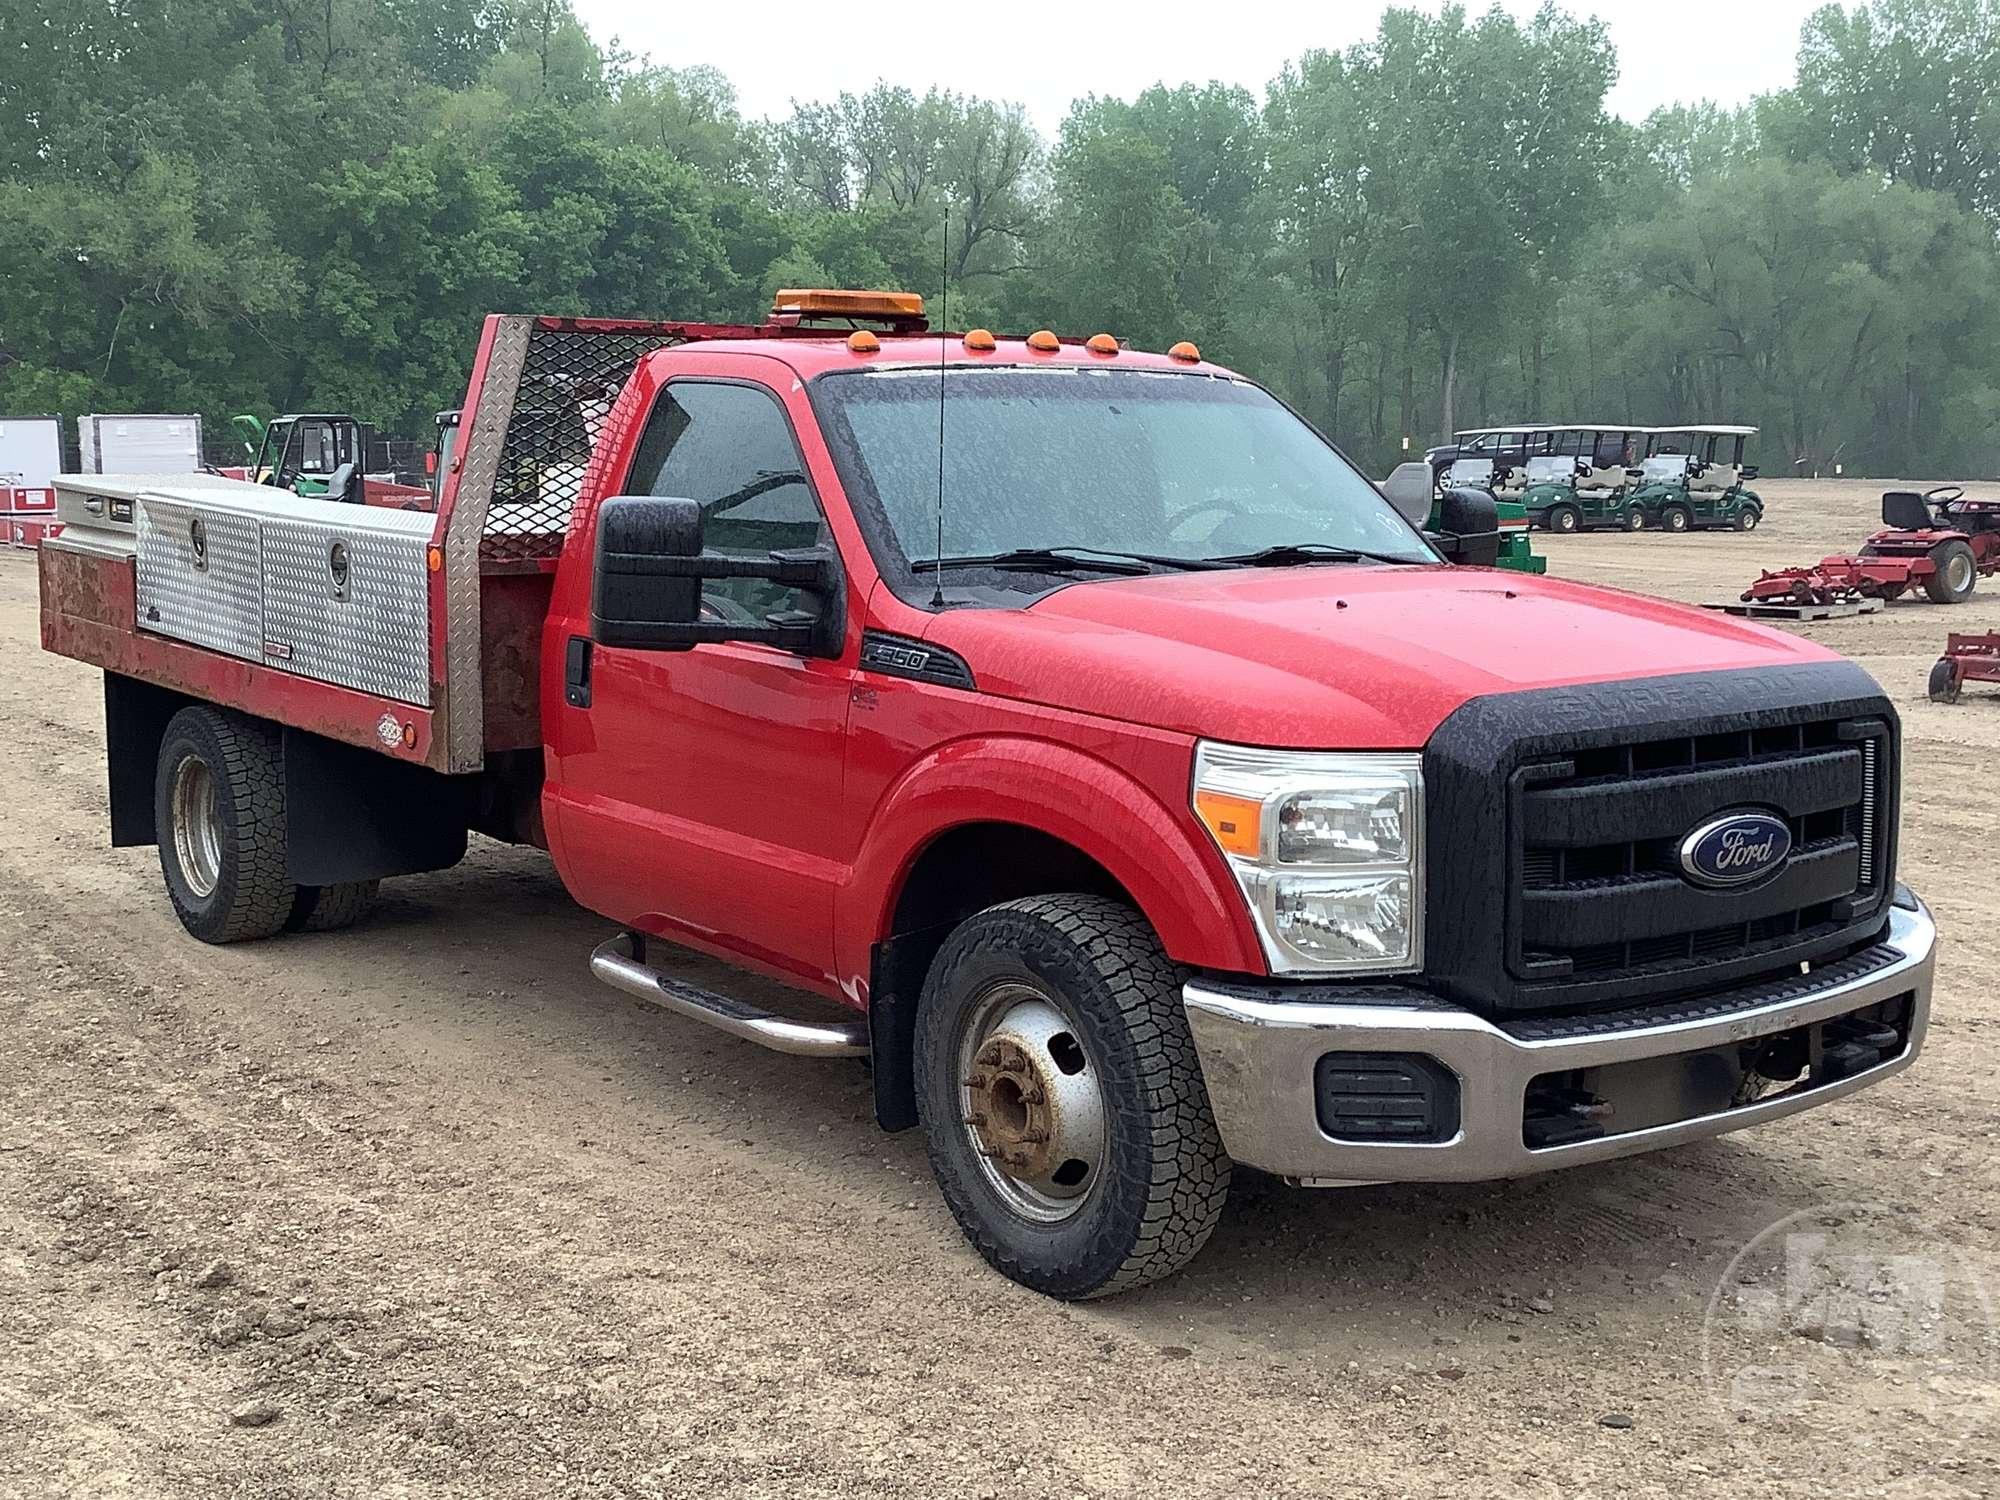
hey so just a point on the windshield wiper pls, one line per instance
(1065, 560)
(1290, 554)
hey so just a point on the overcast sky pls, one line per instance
(1043, 53)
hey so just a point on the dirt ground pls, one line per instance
(449, 1218)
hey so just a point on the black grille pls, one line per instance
(1575, 866)
(1601, 891)
(569, 379)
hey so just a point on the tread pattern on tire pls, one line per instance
(1187, 1170)
(328, 908)
(1936, 588)
(248, 766)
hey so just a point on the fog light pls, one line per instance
(1385, 1096)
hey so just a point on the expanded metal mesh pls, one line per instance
(568, 382)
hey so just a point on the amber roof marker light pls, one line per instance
(1044, 342)
(1101, 343)
(861, 341)
(981, 341)
(1185, 352)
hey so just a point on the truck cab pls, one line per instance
(1087, 743)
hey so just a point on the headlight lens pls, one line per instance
(1326, 848)
(1363, 824)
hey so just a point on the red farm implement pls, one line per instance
(1937, 541)
(1967, 658)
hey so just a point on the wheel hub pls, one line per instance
(1033, 1109)
(197, 826)
(1010, 1116)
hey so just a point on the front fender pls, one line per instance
(1156, 851)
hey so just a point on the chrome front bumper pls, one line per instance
(1259, 1050)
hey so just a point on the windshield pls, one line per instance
(1124, 461)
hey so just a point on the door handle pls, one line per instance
(576, 671)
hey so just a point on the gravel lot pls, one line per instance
(419, 1209)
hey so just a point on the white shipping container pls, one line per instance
(141, 443)
(30, 451)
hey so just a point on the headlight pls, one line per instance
(1327, 850)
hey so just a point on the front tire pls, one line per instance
(219, 818)
(1635, 519)
(1564, 518)
(1064, 1108)
(1945, 682)
(1746, 520)
(1676, 518)
(1957, 572)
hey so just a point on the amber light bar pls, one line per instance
(821, 302)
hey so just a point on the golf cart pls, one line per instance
(1491, 458)
(1692, 480)
(1579, 477)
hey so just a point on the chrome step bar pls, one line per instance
(618, 962)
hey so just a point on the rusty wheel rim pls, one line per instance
(1031, 1103)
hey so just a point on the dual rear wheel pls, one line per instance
(219, 820)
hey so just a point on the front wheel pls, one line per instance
(1945, 682)
(1635, 519)
(1676, 518)
(1062, 1103)
(1953, 575)
(1564, 518)
(1746, 520)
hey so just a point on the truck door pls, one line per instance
(699, 790)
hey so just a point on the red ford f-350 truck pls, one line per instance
(1148, 792)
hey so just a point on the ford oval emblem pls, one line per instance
(1735, 849)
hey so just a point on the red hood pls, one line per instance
(1336, 657)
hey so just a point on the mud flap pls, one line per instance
(356, 815)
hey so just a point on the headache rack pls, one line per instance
(538, 406)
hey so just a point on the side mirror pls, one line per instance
(1469, 527)
(646, 583)
(1409, 489)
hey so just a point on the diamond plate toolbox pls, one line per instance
(349, 604)
(199, 575)
(338, 593)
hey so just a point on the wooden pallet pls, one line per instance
(1773, 609)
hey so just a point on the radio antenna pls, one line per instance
(944, 323)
